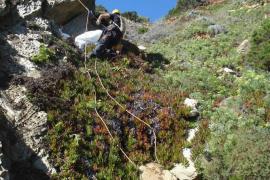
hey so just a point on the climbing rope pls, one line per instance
(89, 75)
(125, 109)
(113, 99)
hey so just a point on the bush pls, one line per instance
(142, 30)
(101, 9)
(259, 55)
(183, 5)
(133, 16)
(45, 55)
(245, 156)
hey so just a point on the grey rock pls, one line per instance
(193, 14)
(62, 11)
(77, 25)
(192, 103)
(30, 9)
(4, 8)
(4, 175)
(216, 29)
(243, 47)
(194, 113)
(39, 24)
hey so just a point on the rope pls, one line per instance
(89, 75)
(130, 113)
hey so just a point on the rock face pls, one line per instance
(3, 172)
(23, 120)
(30, 8)
(62, 11)
(3, 8)
(22, 125)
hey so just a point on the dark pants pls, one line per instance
(110, 37)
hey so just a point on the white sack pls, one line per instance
(90, 37)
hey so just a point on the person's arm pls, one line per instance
(104, 16)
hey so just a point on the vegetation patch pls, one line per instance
(259, 54)
(45, 55)
(133, 16)
(143, 30)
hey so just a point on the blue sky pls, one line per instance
(154, 9)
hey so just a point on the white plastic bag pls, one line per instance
(90, 37)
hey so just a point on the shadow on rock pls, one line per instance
(10, 24)
(7, 65)
(20, 161)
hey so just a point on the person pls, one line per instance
(111, 36)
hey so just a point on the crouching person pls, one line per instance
(111, 35)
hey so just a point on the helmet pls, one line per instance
(116, 11)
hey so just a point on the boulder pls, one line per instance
(62, 11)
(243, 47)
(153, 171)
(216, 29)
(185, 173)
(192, 104)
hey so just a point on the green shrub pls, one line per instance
(45, 55)
(245, 156)
(183, 5)
(133, 16)
(101, 9)
(259, 55)
(253, 85)
(142, 30)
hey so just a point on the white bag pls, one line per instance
(90, 37)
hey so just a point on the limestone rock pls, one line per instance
(185, 173)
(192, 133)
(4, 8)
(192, 104)
(141, 47)
(216, 29)
(62, 11)
(154, 171)
(76, 26)
(39, 24)
(243, 47)
(30, 9)
(3, 172)
(228, 70)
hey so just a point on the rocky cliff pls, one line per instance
(24, 27)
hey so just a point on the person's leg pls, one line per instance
(99, 50)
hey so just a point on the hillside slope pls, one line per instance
(198, 96)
